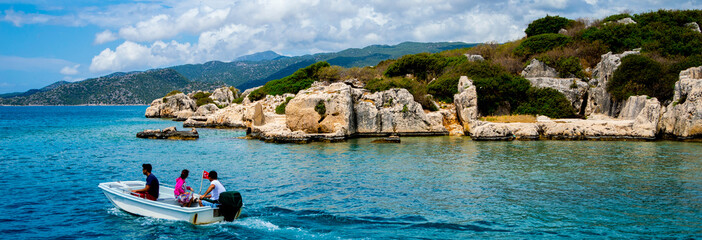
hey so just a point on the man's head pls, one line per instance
(212, 176)
(146, 168)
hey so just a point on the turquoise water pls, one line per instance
(438, 187)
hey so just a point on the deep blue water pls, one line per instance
(436, 188)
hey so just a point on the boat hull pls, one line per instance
(165, 207)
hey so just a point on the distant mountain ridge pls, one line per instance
(248, 71)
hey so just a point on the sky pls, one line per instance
(44, 41)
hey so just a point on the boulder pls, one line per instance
(167, 107)
(168, 133)
(322, 109)
(682, 119)
(505, 131)
(632, 107)
(694, 26)
(206, 109)
(572, 88)
(538, 69)
(466, 102)
(183, 115)
(599, 100)
(474, 57)
(258, 117)
(392, 111)
(223, 96)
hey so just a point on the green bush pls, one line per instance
(321, 108)
(547, 24)
(423, 66)
(174, 92)
(280, 109)
(479, 69)
(444, 88)
(493, 91)
(541, 43)
(545, 101)
(200, 95)
(238, 100)
(299, 80)
(640, 75)
(204, 101)
(565, 66)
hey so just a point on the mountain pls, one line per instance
(261, 56)
(33, 91)
(247, 74)
(126, 88)
(249, 71)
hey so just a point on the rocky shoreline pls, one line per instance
(337, 111)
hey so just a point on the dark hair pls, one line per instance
(146, 166)
(184, 174)
(213, 174)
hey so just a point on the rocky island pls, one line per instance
(451, 93)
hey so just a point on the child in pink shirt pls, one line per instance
(183, 197)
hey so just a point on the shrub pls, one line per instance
(280, 109)
(405, 109)
(545, 101)
(238, 100)
(444, 88)
(204, 101)
(547, 24)
(321, 108)
(200, 95)
(565, 66)
(330, 74)
(494, 91)
(300, 79)
(639, 75)
(174, 92)
(423, 66)
(617, 17)
(541, 43)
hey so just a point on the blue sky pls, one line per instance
(44, 41)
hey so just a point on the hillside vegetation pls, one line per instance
(667, 41)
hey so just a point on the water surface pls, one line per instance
(430, 187)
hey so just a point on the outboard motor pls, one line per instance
(230, 205)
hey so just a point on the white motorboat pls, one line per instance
(165, 207)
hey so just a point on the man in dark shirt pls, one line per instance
(150, 191)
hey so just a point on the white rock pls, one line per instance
(539, 69)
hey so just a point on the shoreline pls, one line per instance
(80, 105)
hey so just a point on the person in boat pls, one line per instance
(183, 197)
(150, 191)
(211, 196)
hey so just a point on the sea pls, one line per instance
(53, 158)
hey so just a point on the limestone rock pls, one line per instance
(632, 106)
(258, 118)
(206, 109)
(682, 119)
(466, 102)
(539, 69)
(505, 131)
(392, 111)
(183, 115)
(599, 100)
(624, 21)
(223, 96)
(572, 88)
(302, 111)
(246, 93)
(168, 133)
(474, 57)
(694, 26)
(167, 107)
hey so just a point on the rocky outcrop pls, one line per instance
(562, 129)
(539, 69)
(206, 109)
(474, 57)
(466, 102)
(224, 96)
(322, 110)
(599, 100)
(392, 111)
(238, 115)
(169, 133)
(171, 106)
(694, 26)
(682, 119)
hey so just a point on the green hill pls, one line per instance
(131, 88)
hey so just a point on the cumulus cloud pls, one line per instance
(168, 32)
(104, 36)
(70, 70)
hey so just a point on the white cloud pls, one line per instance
(104, 36)
(68, 70)
(169, 32)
